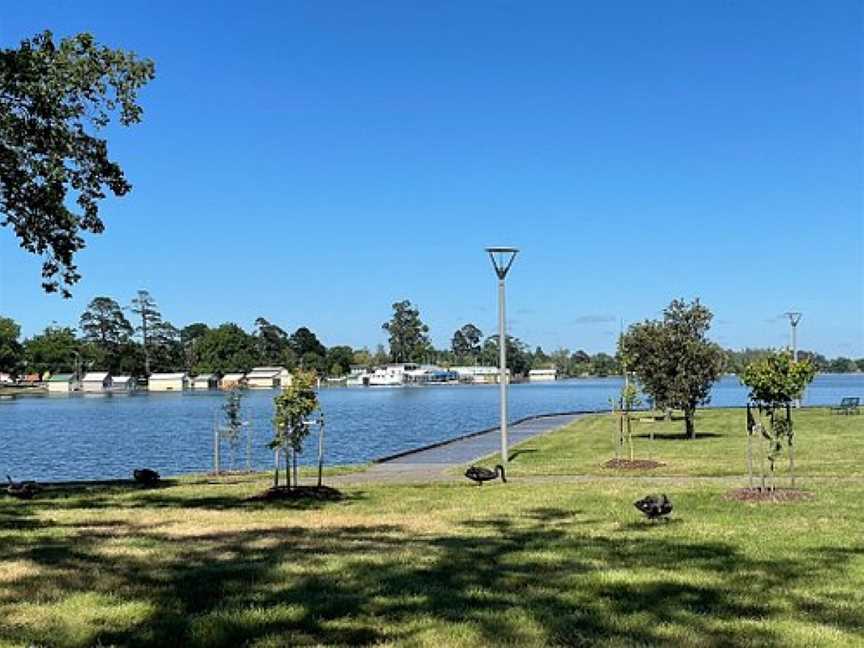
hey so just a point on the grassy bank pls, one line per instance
(532, 562)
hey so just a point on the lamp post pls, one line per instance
(794, 318)
(502, 258)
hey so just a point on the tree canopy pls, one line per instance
(54, 98)
(466, 342)
(408, 334)
(673, 359)
(776, 379)
(11, 350)
(104, 323)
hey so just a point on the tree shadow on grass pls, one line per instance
(677, 436)
(89, 498)
(499, 580)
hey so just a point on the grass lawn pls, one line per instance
(531, 562)
(825, 445)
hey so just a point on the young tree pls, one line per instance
(11, 351)
(408, 339)
(466, 342)
(54, 97)
(673, 359)
(293, 407)
(232, 407)
(105, 324)
(145, 307)
(628, 400)
(775, 381)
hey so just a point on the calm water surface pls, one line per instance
(100, 437)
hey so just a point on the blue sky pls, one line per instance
(313, 162)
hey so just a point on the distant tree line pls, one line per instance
(137, 340)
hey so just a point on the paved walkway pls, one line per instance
(431, 463)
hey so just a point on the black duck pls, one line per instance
(145, 476)
(21, 490)
(480, 475)
(654, 506)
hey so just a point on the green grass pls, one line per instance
(825, 445)
(537, 561)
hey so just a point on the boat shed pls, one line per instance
(122, 384)
(232, 381)
(283, 376)
(96, 382)
(62, 383)
(167, 382)
(264, 378)
(204, 381)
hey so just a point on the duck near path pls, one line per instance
(21, 490)
(479, 474)
(145, 476)
(654, 507)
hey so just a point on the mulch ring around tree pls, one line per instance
(635, 464)
(316, 493)
(767, 495)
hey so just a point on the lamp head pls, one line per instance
(794, 318)
(502, 258)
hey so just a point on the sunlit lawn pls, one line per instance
(531, 562)
(825, 444)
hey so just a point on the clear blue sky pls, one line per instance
(313, 162)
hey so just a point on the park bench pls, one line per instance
(848, 405)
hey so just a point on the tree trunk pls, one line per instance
(287, 469)
(689, 426)
(791, 439)
(276, 469)
(749, 448)
(630, 439)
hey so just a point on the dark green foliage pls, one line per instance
(466, 343)
(54, 350)
(409, 341)
(104, 323)
(518, 356)
(54, 97)
(339, 360)
(673, 359)
(145, 307)
(225, 349)
(11, 350)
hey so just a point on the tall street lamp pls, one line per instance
(794, 318)
(502, 258)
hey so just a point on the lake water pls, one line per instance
(100, 437)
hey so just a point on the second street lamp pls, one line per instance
(502, 258)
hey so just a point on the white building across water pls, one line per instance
(96, 382)
(204, 381)
(167, 382)
(268, 378)
(122, 384)
(391, 375)
(232, 381)
(62, 383)
(542, 375)
(479, 375)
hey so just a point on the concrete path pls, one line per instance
(431, 463)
